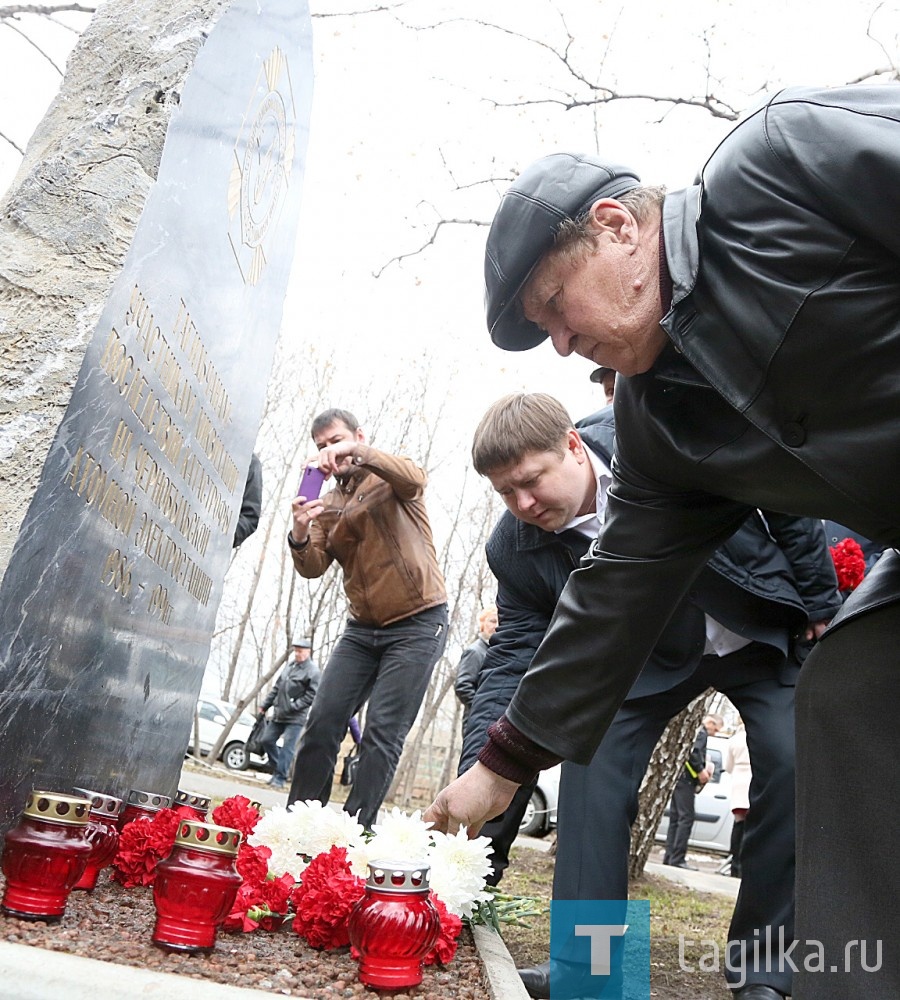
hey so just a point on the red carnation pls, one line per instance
(238, 814)
(445, 947)
(261, 901)
(323, 900)
(253, 863)
(275, 896)
(849, 563)
(143, 843)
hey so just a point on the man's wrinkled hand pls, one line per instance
(470, 801)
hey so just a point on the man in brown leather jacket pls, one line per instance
(733, 311)
(374, 524)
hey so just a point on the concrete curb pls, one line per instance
(29, 973)
(503, 980)
(720, 885)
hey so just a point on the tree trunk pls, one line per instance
(659, 779)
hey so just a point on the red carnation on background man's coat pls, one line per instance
(849, 563)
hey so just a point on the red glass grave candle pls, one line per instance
(192, 800)
(143, 804)
(45, 855)
(102, 832)
(195, 886)
(394, 925)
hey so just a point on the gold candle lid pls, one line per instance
(57, 807)
(207, 837)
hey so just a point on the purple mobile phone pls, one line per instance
(311, 483)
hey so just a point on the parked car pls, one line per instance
(540, 816)
(213, 714)
(713, 819)
(712, 823)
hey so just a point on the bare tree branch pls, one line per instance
(33, 44)
(12, 143)
(381, 9)
(709, 102)
(437, 228)
(42, 10)
(598, 93)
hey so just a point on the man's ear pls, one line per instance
(610, 217)
(575, 445)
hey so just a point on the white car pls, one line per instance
(713, 818)
(712, 823)
(540, 816)
(213, 714)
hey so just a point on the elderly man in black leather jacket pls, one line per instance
(762, 588)
(736, 309)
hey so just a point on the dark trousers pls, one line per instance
(503, 830)
(390, 667)
(282, 757)
(737, 839)
(598, 803)
(682, 810)
(848, 878)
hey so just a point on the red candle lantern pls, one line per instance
(195, 886)
(394, 925)
(45, 855)
(102, 832)
(192, 800)
(145, 805)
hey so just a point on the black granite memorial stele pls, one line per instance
(109, 599)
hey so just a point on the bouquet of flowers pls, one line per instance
(326, 854)
(308, 863)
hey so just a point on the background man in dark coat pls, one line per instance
(470, 663)
(251, 503)
(683, 807)
(734, 632)
(289, 699)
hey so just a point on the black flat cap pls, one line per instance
(555, 188)
(599, 374)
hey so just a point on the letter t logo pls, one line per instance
(601, 936)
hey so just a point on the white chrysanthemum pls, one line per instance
(297, 834)
(400, 837)
(323, 828)
(459, 867)
(277, 830)
(359, 856)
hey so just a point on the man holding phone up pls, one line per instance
(374, 523)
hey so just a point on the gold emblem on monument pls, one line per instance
(261, 172)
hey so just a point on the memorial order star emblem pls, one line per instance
(261, 172)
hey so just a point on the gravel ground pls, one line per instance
(114, 924)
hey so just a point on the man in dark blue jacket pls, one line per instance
(734, 631)
(289, 699)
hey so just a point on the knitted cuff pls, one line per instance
(511, 754)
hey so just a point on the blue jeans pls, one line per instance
(389, 667)
(282, 757)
